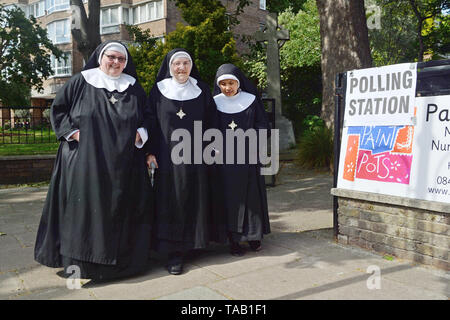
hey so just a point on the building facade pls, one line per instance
(160, 16)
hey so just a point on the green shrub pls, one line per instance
(312, 122)
(316, 148)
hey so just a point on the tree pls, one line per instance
(24, 56)
(299, 63)
(86, 30)
(207, 37)
(394, 40)
(438, 39)
(280, 6)
(345, 45)
(398, 39)
(426, 10)
(147, 54)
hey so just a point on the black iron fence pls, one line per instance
(269, 105)
(25, 125)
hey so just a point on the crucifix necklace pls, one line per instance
(180, 113)
(232, 125)
(113, 99)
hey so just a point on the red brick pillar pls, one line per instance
(36, 114)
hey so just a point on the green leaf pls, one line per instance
(388, 257)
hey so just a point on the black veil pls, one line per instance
(164, 70)
(245, 84)
(92, 63)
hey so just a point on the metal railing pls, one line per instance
(270, 111)
(25, 125)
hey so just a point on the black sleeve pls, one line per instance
(60, 110)
(151, 123)
(211, 114)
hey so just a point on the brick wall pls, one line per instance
(25, 169)
(420, 233)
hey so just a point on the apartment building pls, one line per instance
(160, 16)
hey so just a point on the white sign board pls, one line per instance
(381, 96)
(401, 160)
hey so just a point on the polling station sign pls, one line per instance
(381, 96)
(410, 161)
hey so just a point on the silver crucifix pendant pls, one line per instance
(232, 125)
(113, 100)
(180, 113)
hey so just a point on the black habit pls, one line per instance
(240, 192)
(97, 213)
(182, 190)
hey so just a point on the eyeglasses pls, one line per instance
(181, 63)
(113, 58)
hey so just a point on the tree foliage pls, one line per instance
(410, 30)
(303, 48)
(206, 37)
(280, 6)
(24, 56)
(299, 64)
(394, 41)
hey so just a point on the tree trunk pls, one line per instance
(345, 45)
(420, 21)
(86, 30)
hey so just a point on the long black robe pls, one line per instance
(97, 212)
(182, 191)
(240, 197)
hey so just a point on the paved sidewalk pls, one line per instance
(299, 259)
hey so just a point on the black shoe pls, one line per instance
(175, 263)
(236, 250)
(255, 245)
(175, 269)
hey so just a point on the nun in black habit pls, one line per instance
(97, 213)
(240, 191)
(177, 100)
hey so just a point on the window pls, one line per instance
(148, 12)
(57, 5)
(10, 7)
(159, 9)
(126, 16)
(262, 4)
(37, 9)
(109, 20)
(62, 67)
(59, 31)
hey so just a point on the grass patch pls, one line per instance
(30, 136)
(25, 185)
(29, 149)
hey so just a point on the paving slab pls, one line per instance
(11, 285)
(196, 293)
(227, 266)
(299, 261)
(155, 284)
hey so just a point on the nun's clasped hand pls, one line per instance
(76, 136)
(151, 159)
